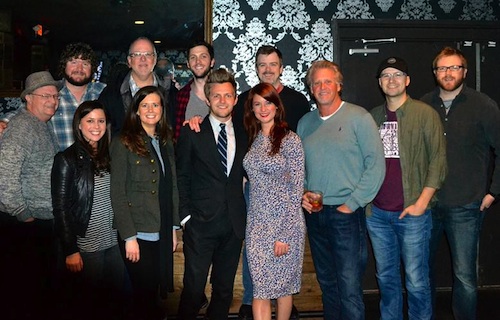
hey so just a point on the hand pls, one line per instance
(132, 250)
(413, 210)
(344, 209)
(487, 201)
(194, 123)
(3, 126)
(74, 262)
(305, 202)
(174, 240)
(280, 248)
(30, 219)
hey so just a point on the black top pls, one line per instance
(472, 129)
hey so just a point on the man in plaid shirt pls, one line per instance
(77, 65)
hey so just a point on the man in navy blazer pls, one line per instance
(212, 207)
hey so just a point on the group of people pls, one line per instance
(100, 178)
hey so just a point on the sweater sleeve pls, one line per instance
(13, 152)
(373, 173)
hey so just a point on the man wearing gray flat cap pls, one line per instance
(27, 150)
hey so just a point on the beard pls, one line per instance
(203, 74)
(78, 83)
(450, 85)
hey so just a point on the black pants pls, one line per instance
(145, 280)
(27, 268)
(209, 244)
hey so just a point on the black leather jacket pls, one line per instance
(72, 195)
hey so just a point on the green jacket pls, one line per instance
(422, 147)
(134, 189)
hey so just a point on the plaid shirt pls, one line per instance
(62, 121)
(182, 100)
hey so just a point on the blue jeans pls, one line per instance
(338, 248)
(246, 278)
(462, 226)
(406, 239)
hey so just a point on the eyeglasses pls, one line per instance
(451, 68)
(147, 55)
(47, 96)
(395, 75)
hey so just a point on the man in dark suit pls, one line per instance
(212, 206)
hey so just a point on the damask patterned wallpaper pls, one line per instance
(301, 29)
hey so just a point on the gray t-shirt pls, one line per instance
(196, 106)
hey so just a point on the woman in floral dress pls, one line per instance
(275, 232)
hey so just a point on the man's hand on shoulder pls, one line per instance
(3, 126)
(194, 123)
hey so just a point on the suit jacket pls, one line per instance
(205, 192)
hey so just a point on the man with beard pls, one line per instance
(116, 97)
(77, 65)
(470, 121)
(191, 100)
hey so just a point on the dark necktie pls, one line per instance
(222, 146)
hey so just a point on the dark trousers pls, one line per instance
(145, 280)
(209, 244)
(27, 268)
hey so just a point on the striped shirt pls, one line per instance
(100, 234)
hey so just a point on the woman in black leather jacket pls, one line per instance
(83, 212)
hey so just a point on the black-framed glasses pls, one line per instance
(451, 68)
(148, 55)
(47, 96)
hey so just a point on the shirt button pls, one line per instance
(152, 160)
(153, 181)
(153, 171)
(153, 192)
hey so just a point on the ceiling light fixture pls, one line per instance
(139, 22)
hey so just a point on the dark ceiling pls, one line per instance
(108, 24)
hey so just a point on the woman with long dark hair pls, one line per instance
(145, 199)
(83, 212)
(275, 231)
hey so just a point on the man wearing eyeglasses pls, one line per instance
(400, 223)
(27, 152)
(117, 97)
(77, 65)
(471, 127)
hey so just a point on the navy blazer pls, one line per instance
(205, 192)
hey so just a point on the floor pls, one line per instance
(488, 307)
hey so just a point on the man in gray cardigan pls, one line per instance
(27, 151)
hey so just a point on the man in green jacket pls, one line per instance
(400, 224)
